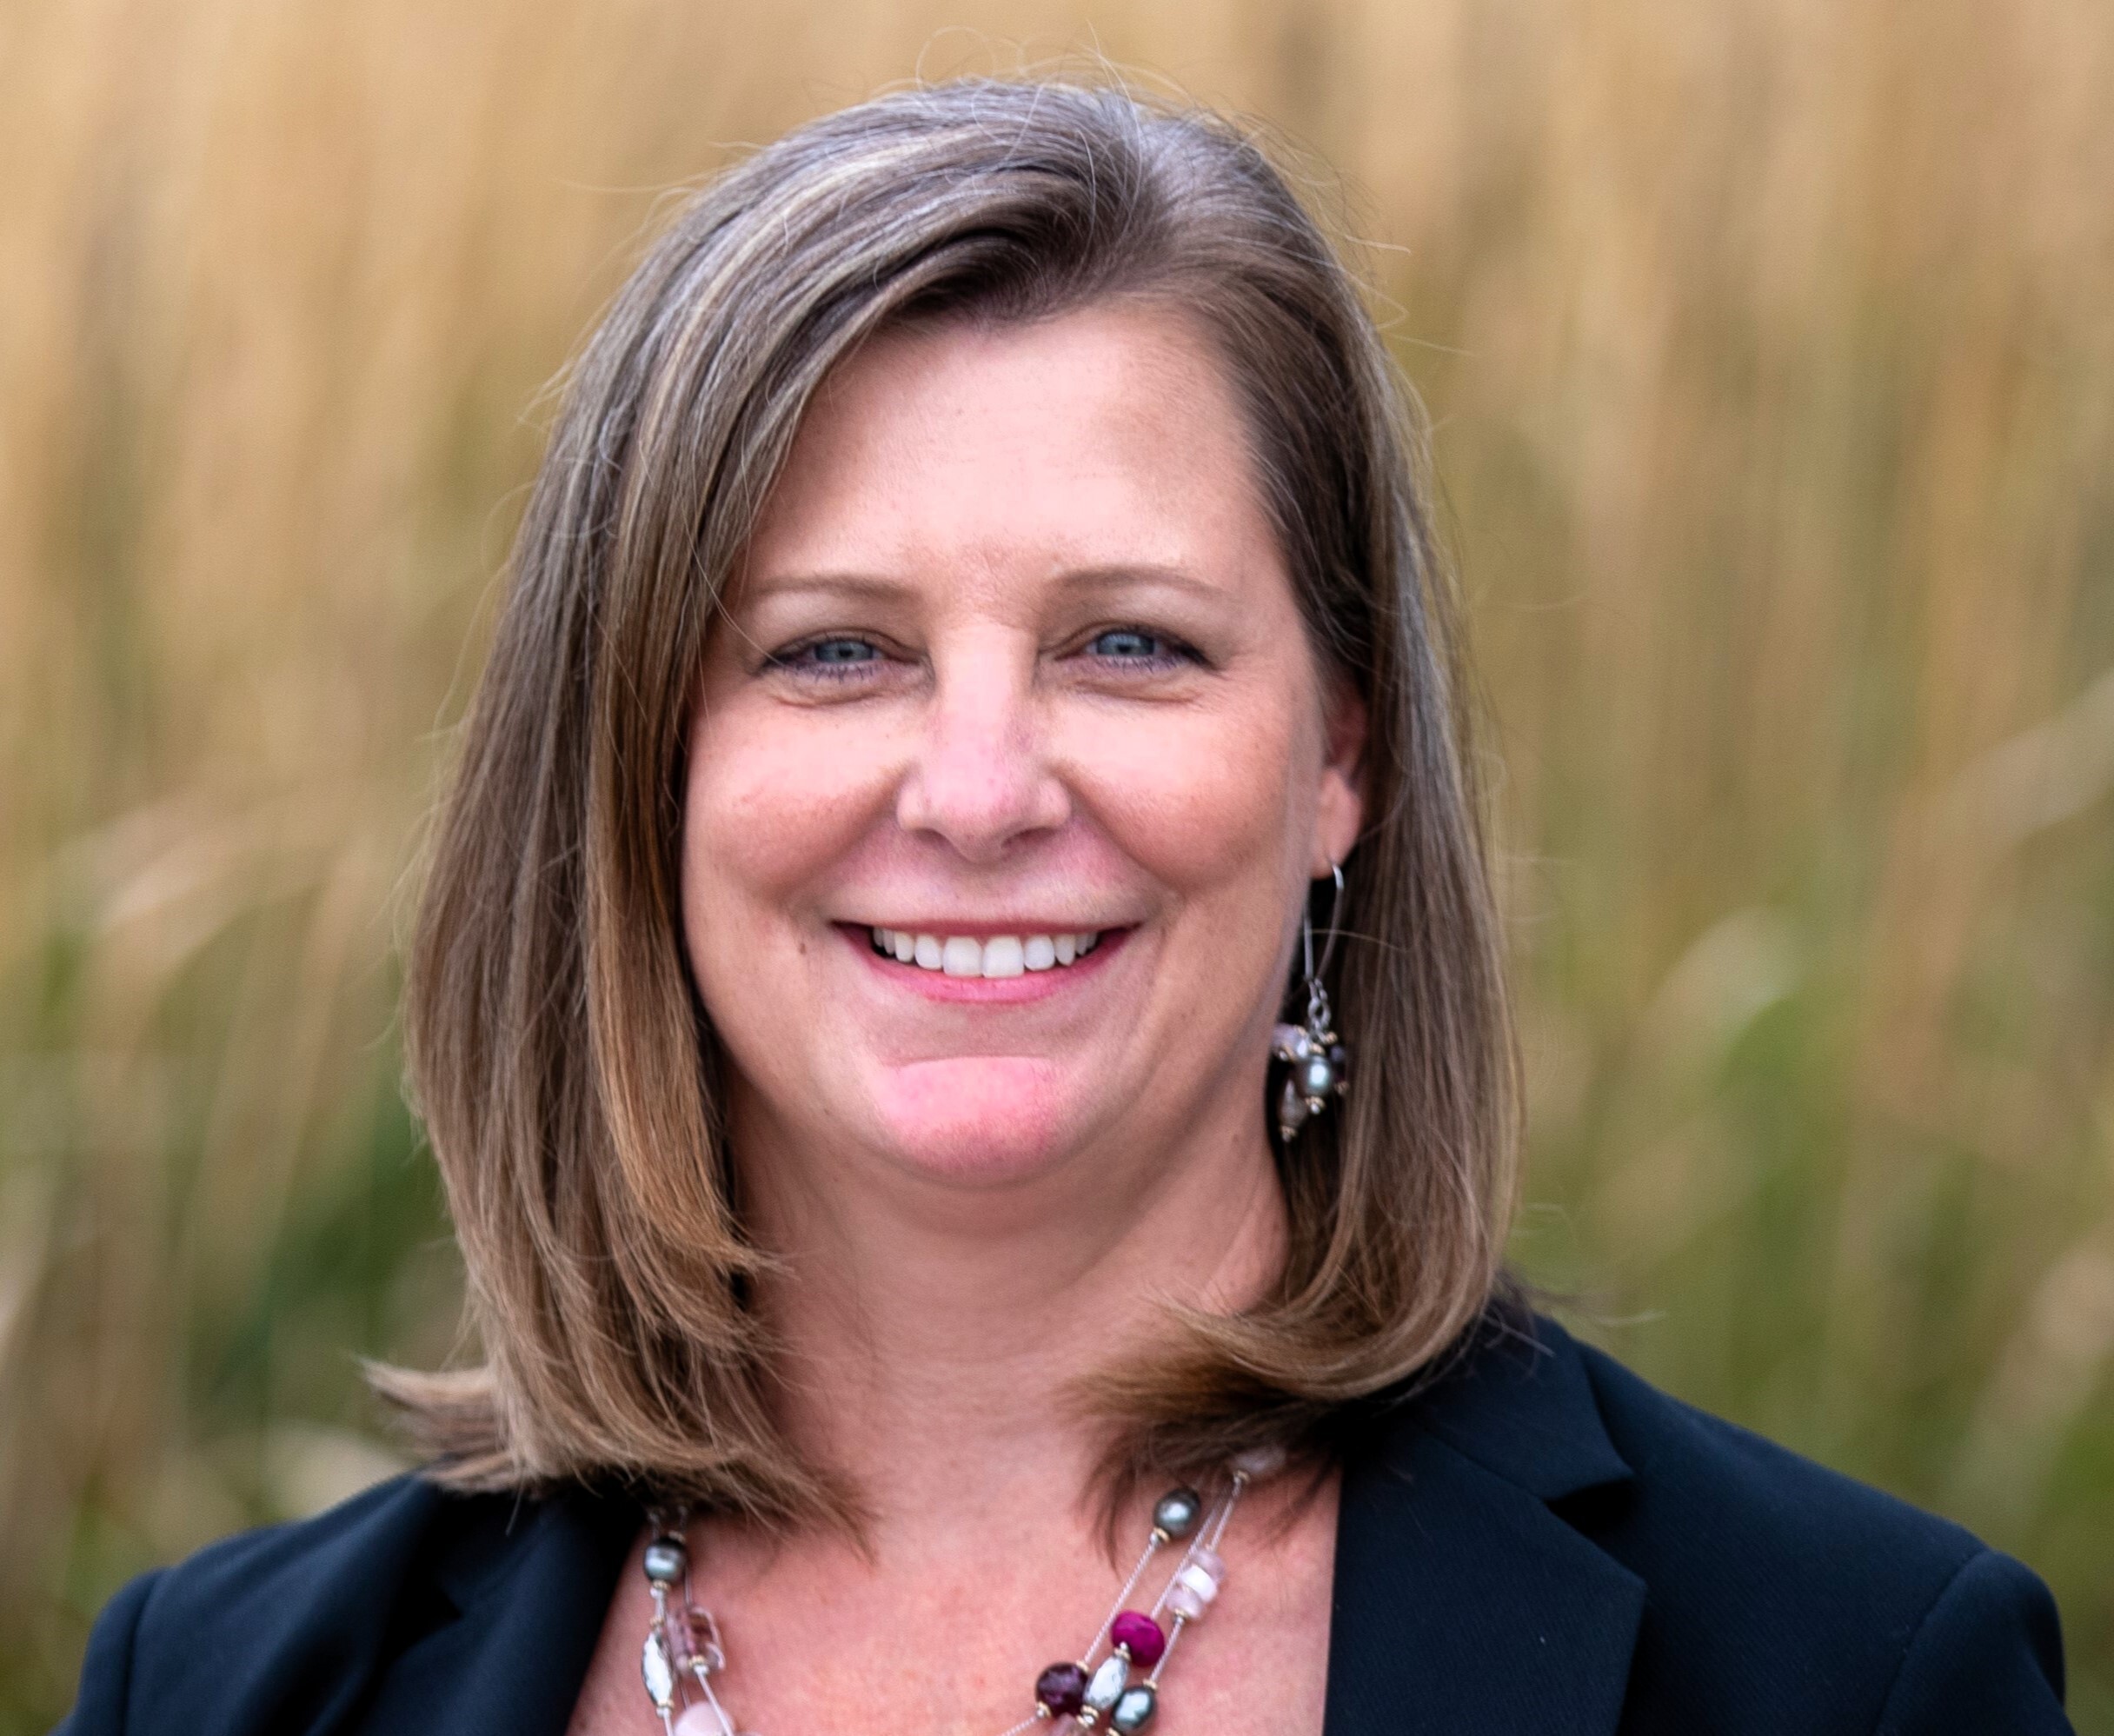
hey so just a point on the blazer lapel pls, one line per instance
(518, 1600)
(1465, 1600)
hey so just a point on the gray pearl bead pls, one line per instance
(1291, 1111)
(666, 1559)
(1317, 1076)
(1176, 1511)
(1134, 1711)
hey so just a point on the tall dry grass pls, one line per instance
(1771, 344)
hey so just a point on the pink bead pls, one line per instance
(1140, 1635)
(698, 1719)
(1184, 1602)
(1208, 1560)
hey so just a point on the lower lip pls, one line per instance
(988, 991)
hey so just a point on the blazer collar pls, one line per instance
(1465, 1599)
(519, 1591)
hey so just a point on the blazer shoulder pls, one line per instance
(1767, 1569)
(1988, 1656)
(285, 1610)
(408, 1607)
(1744, 1491)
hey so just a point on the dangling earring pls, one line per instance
(1321, 1067)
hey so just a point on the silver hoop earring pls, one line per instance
(1320, 1067)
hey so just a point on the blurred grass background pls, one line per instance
(1771, 346)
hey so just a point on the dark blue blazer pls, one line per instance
(1539, 1543)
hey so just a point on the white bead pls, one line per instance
(1184, 1602)
(1109, 1679)
(655, 1667)
(1198, 1579)
(700, 1720)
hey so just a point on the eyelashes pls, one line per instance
(839, 658)
(834, 656)
(1138, 647)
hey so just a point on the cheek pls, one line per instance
(1210, 800)
(767, 815)
(769, 809)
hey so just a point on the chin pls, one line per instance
(979, 1118)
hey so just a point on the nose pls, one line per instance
(982, 777)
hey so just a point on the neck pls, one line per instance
(935, 1332)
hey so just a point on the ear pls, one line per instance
(1339, 809)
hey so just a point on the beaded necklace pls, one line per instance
(683, 1651)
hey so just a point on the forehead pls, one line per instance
(1107, 436)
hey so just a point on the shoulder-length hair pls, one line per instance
(558, 1050)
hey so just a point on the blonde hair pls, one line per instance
(558, 1050)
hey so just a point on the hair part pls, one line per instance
(558, 1050)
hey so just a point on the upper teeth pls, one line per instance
(994, 955)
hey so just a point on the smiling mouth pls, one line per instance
(992, 955)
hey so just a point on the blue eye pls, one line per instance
(841, 651)
(837, 655)
(1130, 644)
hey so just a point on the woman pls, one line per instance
(960, 1007)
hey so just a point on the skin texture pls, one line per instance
(1014, 650)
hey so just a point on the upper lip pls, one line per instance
(984, 930)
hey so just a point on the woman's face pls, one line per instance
(1011, 761)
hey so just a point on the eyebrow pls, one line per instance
(876, 586)
(861, 586)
